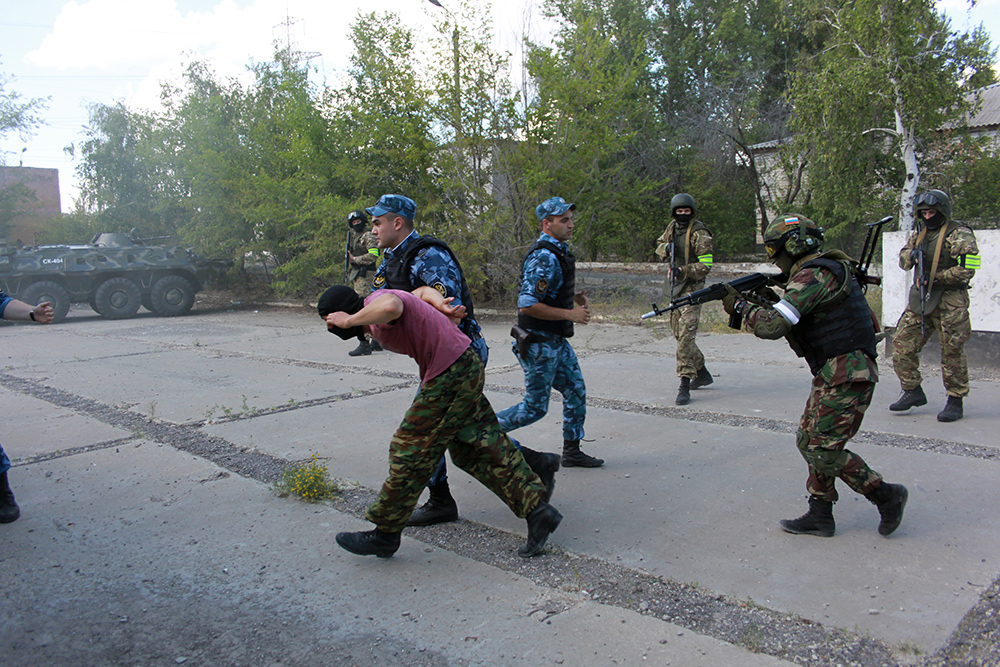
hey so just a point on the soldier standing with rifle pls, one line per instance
(361, 257)
(688, 244)
(826, 319)
(945, 255)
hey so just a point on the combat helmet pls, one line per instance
(357, 215)
(934, 199)
(796, 234)
(683, 200)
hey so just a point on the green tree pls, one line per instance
(17, 114)
(590, 130)
(891, 72)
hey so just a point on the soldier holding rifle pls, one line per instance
(826, 319)
(361, 257)
(687, 243)
(945, 255)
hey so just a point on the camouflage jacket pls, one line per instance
(807, 290)
(693, 261)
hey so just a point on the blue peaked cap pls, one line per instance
(553, 206)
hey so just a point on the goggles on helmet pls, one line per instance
(772, 248)
(927, 199)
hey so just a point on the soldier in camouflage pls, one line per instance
(449, 412)
(687, 245)
(826, 319)
(548, 306)
(362, 259)
(950, 259)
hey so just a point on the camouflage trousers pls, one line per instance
(951, 321)
(833, 416)
(551, 364)
(684, 325)
(450, 413)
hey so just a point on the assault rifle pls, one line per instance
(347, 259)
(868, 253)
(672, 269)
(745, 284)
(922, 280)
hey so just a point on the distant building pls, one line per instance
(985, 122)
(20, 218)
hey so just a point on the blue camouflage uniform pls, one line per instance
(433, 266)
(551, 362)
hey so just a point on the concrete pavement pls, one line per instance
(133, 550)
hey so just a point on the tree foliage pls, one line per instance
(889, 74)
(631, 102)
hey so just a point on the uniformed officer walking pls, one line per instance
(950, 258)
(687, 245)
(548, 307)
(826, 319)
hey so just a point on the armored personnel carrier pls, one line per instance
(115, 273)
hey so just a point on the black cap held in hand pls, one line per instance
(340, 299)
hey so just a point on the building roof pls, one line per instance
(988, 114)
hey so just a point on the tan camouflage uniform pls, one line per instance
(364, 263)
(946, 309)
(694, 261)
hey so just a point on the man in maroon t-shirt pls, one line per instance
(449, 412)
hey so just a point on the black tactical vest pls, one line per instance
(397, 275)
(563, 299)
(843, 326)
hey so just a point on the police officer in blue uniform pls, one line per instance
(548, 307)
(411, 261)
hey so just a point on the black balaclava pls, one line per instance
(935, 221)
(341, 298)
(683, 220)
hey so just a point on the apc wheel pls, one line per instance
(117, 299)
(54, 293)
(172, 296)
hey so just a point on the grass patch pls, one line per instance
(308, 480)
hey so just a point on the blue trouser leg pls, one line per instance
(4, 461)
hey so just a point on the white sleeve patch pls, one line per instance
(788, 311)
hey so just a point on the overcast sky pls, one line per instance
(105, 51)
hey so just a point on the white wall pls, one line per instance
(985, 293)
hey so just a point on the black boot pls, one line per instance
(369, 543)
(703, 379)
(9, 511)
(542, 522)
(890, 499)
(545, 466)
(572, 457)
(363, 349)
(952, 410)
(375, 346)
(910, 398)
(817, 521)
(684, 392)
(439, 508)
